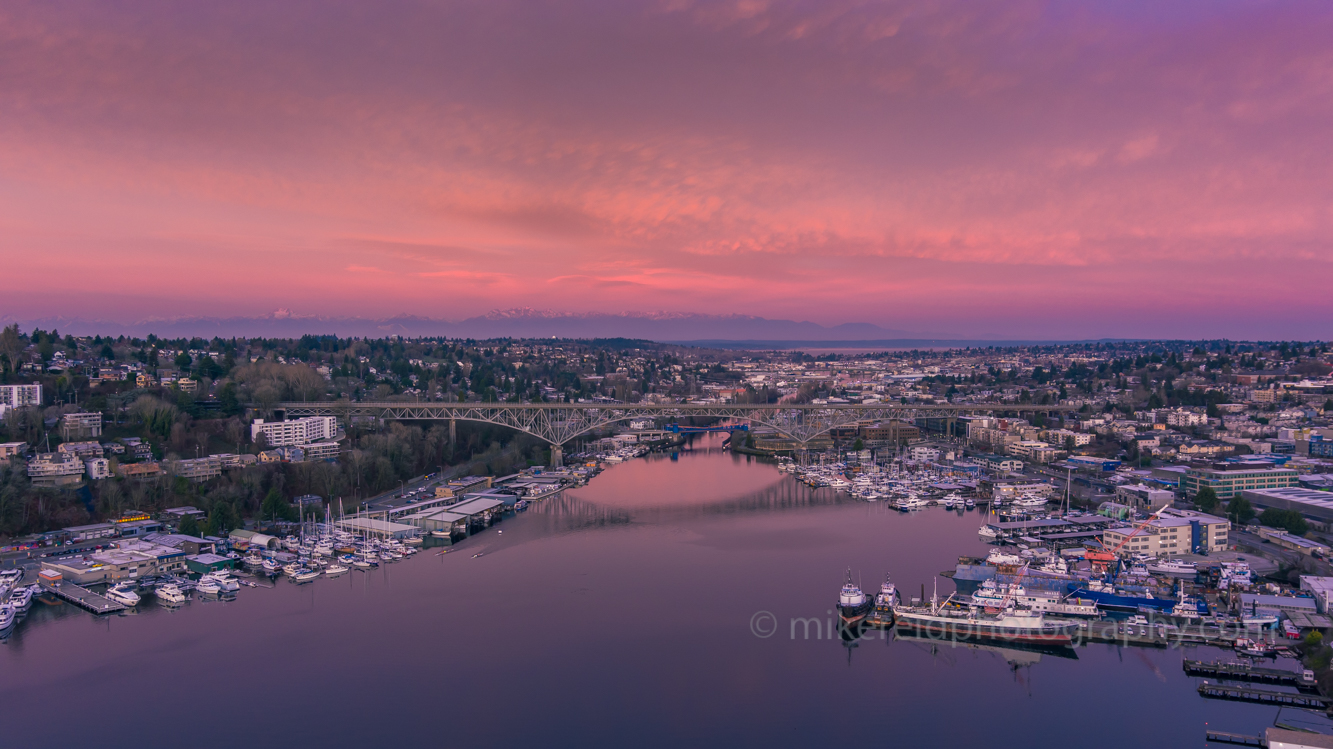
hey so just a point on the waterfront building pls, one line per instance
(128, 559)
(1172, 533)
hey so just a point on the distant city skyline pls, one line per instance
(1021, 170)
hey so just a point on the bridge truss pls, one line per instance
(558, 423)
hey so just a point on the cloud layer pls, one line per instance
(1016, 168)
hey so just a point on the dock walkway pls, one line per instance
(1249, 672)
(1222, 737)
(1263, 696)
(82, 597)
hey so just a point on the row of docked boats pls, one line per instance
(15, 599)
(1014, 616)
(328, 555)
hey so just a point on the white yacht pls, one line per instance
(987, 532)
(170, 594)
(271, 566)
(225, 581)
(334, 569)
(123, 593)
(208, 587)
(21, 598)
(1173, 567)
(969, 503)
(997, 558)
(305, 576)
(7, 616)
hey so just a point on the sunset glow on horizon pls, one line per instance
(1038, 169)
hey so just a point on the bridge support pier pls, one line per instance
(453, 431)
(557, 456)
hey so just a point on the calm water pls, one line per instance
(618, 613)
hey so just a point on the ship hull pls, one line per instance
(965, 630)
(854, 614)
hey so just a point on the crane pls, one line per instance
(1103, 557)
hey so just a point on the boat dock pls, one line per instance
(1263, 696)
(82, 597)
(1222, 737)
(1159, 634)
(1248, 672)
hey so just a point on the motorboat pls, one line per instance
(171, 594)
(305, 576)
(335, 569)
(224, 580)
(987, 532)
(271, 566)
(969, 503)
(207, 586)
(7, 616)
(21, 598)
(123, 594)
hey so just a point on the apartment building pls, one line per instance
(97, 468)
(55, 469)
(198, 469)
(19, 396)
(81, 425)
(295, 431)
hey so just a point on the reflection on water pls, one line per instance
(620, 612)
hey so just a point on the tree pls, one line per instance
(858, 445)
(183, 360)
(221, 520)
(1070, 444)
(189, 526)
(1289, 520)
(1213, 411)
(1206, 499)
(274, 506)
(1240, 510)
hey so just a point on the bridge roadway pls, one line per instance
(558, 423)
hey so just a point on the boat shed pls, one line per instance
(435, 520)
(381, 528)
(474, 506)
(204, 563)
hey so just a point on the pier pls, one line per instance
(1262, 696)
(1222, 737)
(82, 597)
(1248, 672)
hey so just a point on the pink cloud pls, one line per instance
(837, 161)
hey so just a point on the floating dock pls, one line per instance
(1247, 672)
(82, 597)
(1263, 696)
(1222, 737)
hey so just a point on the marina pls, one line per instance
(673, 521)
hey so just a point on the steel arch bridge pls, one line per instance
(558, 423)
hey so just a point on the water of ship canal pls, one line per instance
(618, 614)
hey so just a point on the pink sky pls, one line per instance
(1061, 169)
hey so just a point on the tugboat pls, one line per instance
(853, 605)
(885, 602)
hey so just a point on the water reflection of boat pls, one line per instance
(1016, 654)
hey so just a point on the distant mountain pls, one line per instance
(511, 323)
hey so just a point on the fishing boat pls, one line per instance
(853, 605)
(972, 624)
(885, 603)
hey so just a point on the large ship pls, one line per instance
(943, 621)
(853, 605)
(1111, 599)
